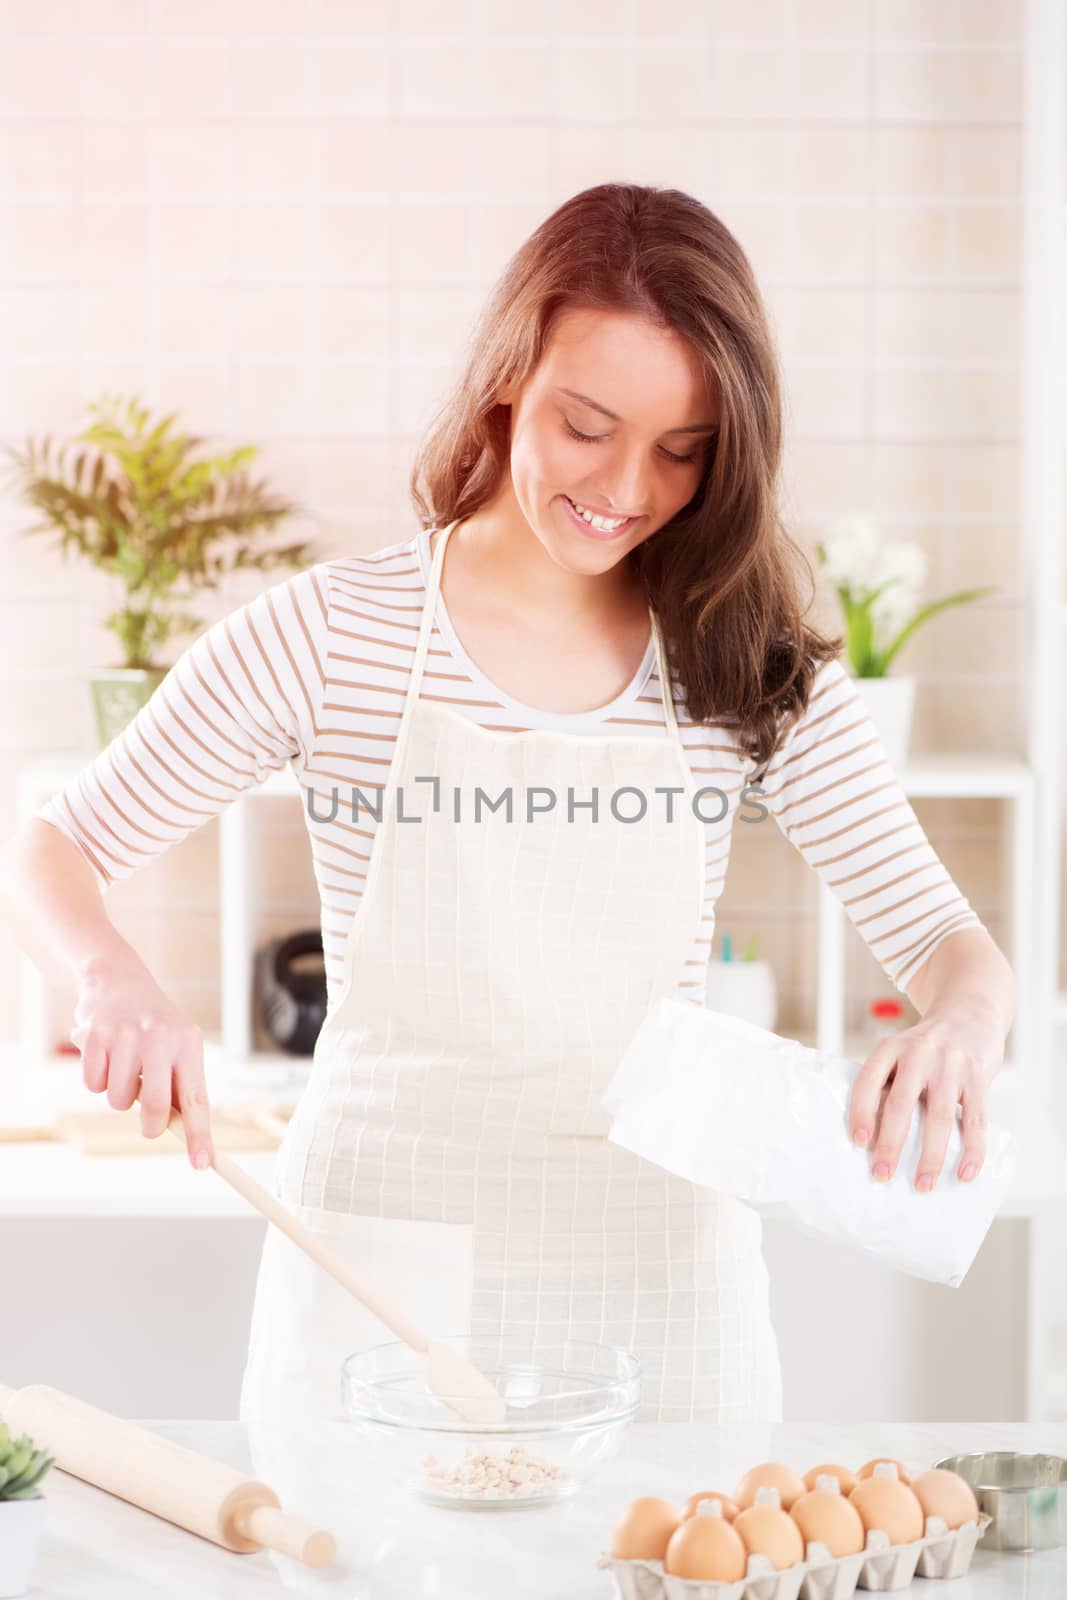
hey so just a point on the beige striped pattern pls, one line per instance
(314, 671)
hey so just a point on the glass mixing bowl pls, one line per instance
(569, 1405)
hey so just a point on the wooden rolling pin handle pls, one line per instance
(328, 1259)
(206, 1497)
(290, 1536)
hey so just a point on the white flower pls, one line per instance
(891, 610)
(901, 560)
(851, 549)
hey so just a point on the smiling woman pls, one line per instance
(652, 370)
(624, 364)
(600, 597)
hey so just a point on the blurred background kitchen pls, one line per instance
(275, 221)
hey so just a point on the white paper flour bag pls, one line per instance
(738, 1109)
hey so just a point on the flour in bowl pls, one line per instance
(478, 1475)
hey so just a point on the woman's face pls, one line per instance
(640, 463)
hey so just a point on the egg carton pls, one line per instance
(941, 1553)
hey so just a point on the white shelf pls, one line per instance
(962, 778)
(965, 777)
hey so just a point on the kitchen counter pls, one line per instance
(390, 1545)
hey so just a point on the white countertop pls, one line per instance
(393, 1547)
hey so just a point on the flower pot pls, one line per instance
(118, 695)
(890, 702)
(21, 1522)
(743, 989)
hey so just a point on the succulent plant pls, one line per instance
(22, 1466)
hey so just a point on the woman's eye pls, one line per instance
(594, 438)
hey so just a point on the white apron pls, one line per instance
(450, 1141)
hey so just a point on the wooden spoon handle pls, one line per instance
(310, 1243)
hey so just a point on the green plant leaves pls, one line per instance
(140, 501)
(961, 597)
(22, 1466)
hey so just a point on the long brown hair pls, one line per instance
(724, 583)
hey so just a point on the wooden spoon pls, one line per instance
(448, 1374)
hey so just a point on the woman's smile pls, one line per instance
(589, 528)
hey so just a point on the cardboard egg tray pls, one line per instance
(881, 1565)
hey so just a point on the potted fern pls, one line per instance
(22, 1509)
(878, 584)
(142, 502)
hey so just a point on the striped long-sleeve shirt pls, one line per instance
(313, 672)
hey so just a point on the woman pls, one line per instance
(601, 604)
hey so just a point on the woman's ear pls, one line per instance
(506, 395)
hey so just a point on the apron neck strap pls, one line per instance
(663, 668)
(426, 626)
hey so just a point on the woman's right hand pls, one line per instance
(137, 1045)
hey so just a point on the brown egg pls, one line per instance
(707, 1548)
(773, 1475)
(825, 1515)
(845, 1478)
(890, 1505)
(729, 1509)
(945, 1494)
(867, 1469)
(644, 1530)
(769, 1531)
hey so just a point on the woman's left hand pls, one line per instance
(948, 1058)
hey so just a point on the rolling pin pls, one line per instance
(206, 1497)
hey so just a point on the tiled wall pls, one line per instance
(279, 216)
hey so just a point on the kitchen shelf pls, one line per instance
(962, 777)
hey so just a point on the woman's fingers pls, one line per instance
(137, 1045)
(94, 1058)
(192, 1098)
(867, 1091)
(158, 1052)
(974, 1129)
(897, 1112)
(124, 1066)
(941, 1102)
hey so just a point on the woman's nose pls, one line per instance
(628, 492)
